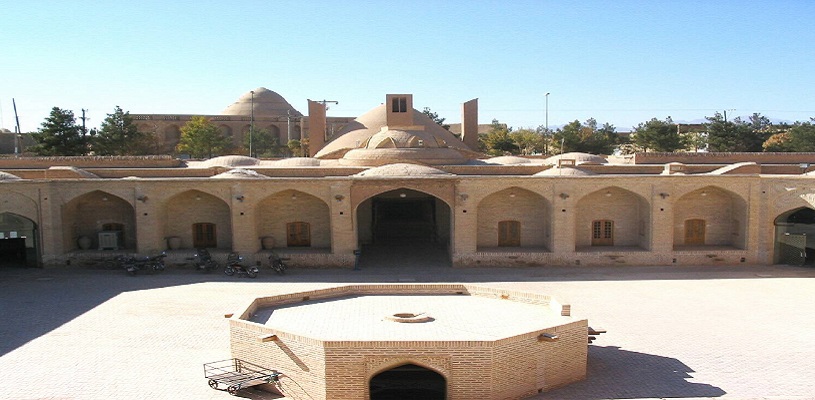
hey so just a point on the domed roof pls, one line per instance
(401, 170)
(296, 162)
(579, 158)
(5, 176)
(369, 141)
(240, 173)
(564, 171)
(508, 160)
(227, 161)
(266, 104)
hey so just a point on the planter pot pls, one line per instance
(173, 242)
(267, 242)
(84, 242)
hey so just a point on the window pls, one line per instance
(399, 104)
(602, 233)
(298, 234)
(509, 234)
(695, 232)
(203, 235)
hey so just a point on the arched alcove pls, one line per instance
(86, 216)
(408, 382)
(710, 217)
(19, 244)
(795, 237)
(612, 217)
(198, 219)
(294, 219)
(514, 217)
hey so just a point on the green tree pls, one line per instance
(59, 135)
(528, 141)
(200, 138)
(298, 148)
(656, 135)
(587, 138)
(737, 135)
(497, 141)
(435, 117)
(119, 136)
(799, 137)
(264, 144)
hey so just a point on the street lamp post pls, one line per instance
(547, 111)
(251, 123)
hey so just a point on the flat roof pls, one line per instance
(452, 318)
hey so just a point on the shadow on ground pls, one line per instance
(614, 373)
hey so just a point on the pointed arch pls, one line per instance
(719, 213)
(401, 216)
(795, 237)
(294, 219)
(19, 240)
(89, 214)
(622, 216)
(187, 211)
(408, 380)
(506, 209)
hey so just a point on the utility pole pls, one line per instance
(17, 132)
(252, 123)
(547, 111)
(84, 129)
(725, 113)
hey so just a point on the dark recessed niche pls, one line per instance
(241, 213)
(145, 214)
(342, 213)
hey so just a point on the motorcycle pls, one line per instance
(132, 264)
(234, 265)
(203, 261)
(277, 264)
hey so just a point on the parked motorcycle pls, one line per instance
(203, 261)
(133, 264)
(277, 264)
(234, 265)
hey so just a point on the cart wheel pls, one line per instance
(213, 384)
(251, 273)
(229, 271)
(233, 389)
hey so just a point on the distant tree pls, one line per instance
(497, 141)
(264, 144)
(528, 141)
(298, 148)
(546, 139)
(119, 136)
(59, 135)
(737, 135)
(435, 117)
(200, 138)
(799, 137)
(656, 135)
(586, 138)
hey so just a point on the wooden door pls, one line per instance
(602, 233)
(203, 235)
(509, 234)
(298, 234)
(695, 232)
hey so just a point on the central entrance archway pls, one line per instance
(408, 382)
(794, 236)
(404, 227)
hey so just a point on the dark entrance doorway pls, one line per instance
(403, 228)
(408, 382)
(18, 241)
(795, 237)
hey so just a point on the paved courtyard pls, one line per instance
(673, 332)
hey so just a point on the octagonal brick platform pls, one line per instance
(360, 342)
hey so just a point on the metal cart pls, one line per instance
(236, 374)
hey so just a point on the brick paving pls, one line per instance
(741, 332)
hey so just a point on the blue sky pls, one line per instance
(621, 62)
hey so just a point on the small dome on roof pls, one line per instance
(401, 170)
(297, 162)
(564, 171)
(229, 161)
(508, 160)
(579, 158)
(264, 102)
(5, 176)
(240, 173)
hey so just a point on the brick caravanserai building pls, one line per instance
(392, 179)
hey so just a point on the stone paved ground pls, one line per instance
(731, 332)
